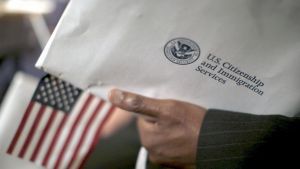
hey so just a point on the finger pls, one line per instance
(136, 103)
(147, 127)
(148, 132)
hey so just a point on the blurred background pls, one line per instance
(25, 26)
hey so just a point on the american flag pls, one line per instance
(60, 126)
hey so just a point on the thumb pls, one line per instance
(135, 103)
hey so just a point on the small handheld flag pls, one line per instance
(60, 126)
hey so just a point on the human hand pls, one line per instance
(169, 129)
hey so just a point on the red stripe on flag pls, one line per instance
(55, 138)
(20, 128)
(96, 137)
(32, 131)
(43, 136)
(85, 132)
(74, 126)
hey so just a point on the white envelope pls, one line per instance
(240, 55)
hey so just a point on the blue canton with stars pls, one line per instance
(56, 93)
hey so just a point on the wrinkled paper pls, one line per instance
(235, 55)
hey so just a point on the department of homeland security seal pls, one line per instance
(182, 51)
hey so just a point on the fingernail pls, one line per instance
(117, 96)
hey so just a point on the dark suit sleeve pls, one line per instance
(230, 140)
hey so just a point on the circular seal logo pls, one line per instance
(182, 51)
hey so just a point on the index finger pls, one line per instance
(136, 103)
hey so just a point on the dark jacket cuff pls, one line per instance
(232, 140)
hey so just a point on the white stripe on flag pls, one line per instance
(88, 140)
(66, 129)
(38, 133)
(58, 140)
(77, 133)
(49, 137)
(26, 129)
